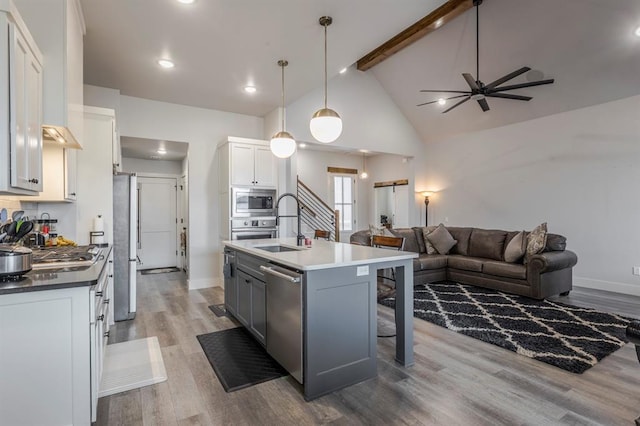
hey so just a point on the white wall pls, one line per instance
(140, 165)
(203, 129)
(577, 170)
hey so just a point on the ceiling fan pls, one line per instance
(479, 91)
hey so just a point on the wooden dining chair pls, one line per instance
(397, 243)
(320, 233)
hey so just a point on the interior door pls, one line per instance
(157, 212)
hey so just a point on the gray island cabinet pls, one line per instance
(314, 309)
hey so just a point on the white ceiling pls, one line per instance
(219, 46)
(147, 149)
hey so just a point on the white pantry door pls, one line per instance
(157, 212)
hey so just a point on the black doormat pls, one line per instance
(238, 359)
(219, 310)
(159, 271)
(569, 337)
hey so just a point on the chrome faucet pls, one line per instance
(288, 194)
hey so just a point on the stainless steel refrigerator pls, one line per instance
(125, 243)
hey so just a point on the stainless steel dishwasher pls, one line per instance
(284, 318)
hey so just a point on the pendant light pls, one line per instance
(282, 143)
(326, 124)
(364, 173)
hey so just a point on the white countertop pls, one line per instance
(322, 254)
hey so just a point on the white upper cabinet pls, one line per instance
(58, 28)
(21, 114)
(247, 162)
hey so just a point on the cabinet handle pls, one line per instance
(34, 180)
(101, 317)
(98, 294)
(111, 261)
(110, 275)
(106, 334)
(247, 281)
(106, 302)
(73, 194)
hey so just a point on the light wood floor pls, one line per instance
(456, 379)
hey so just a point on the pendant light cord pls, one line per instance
(282, 66)
(478, 41)
(325, 66)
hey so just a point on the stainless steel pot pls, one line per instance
(14, 260)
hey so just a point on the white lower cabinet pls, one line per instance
(51, 353)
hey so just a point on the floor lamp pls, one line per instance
(426, 194)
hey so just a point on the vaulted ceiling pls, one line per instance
(219, 46)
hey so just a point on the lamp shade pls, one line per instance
(283, 145)
(325, 125)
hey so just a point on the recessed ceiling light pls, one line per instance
(161, 151)
(250, 89)
(166, 63)
(343, 70)
(442, 101)
(186, 1)
(637, 32)
(302, 145)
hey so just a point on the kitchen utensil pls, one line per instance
(3, 215)
(11, 230)
(4, 234)
(24, 230)
(14, 260)
(17, 215)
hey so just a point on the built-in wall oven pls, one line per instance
(250, 202)
(253, 228)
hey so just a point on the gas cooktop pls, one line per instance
(64, 257)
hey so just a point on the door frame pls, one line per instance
(344, 234)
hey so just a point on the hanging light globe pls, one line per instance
(283, 145)
(325, 125)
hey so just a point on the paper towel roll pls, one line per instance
(98, 230)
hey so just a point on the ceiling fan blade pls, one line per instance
(522, 86)
(446, 99)
(484, 105)
(470, 81)
(508, 96)
(458, 104)
(507, 77)
(445, 91)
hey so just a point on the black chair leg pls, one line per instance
(638, 421)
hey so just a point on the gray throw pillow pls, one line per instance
(537, 239)
(430, 249)
(515, 248)
(441, 239)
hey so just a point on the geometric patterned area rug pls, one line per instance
(569, 337)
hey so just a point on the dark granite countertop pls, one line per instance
(47, 279)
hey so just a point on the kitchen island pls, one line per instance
(54, 324)
(315, 309)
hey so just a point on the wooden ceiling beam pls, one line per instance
(436, 19)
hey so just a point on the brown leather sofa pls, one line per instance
(478, 259)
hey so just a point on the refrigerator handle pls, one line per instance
(138, 220)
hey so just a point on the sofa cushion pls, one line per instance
(419, 239)
(466, 263)
(432, 261)
(536, 241)
(410, 243)
(441, 239)
(555, 242)
(362, 238)
(504, 269)
(515, 248)
(487, 243)
(429, 248)
(461, 235)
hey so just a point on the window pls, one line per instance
(343, 200)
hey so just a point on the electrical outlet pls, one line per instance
(636, 270)
(446, 219)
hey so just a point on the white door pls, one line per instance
(401, 206)
(344, 200)
(157, 212)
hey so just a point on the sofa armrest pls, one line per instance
(552, 261)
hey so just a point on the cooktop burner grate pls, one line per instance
(55, 255)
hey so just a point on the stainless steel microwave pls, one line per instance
(250, 202)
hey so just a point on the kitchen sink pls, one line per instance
(277, 249)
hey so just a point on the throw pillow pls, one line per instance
(515, 248)
(537, 240)
(430, 249)
(441, 239)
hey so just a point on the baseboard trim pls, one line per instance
(203, 283)
(624, 288)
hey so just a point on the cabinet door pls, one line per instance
(34, 122)
(19, 60)
(242, 160)
(244, 298)
(266, 171)
(259, 310)
(231, 290)
(70, 174)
